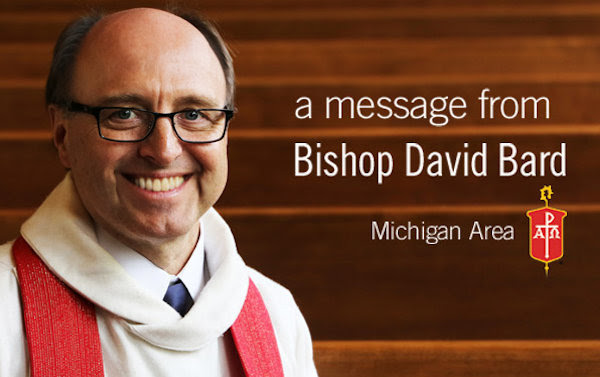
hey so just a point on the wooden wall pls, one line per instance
(313, 234)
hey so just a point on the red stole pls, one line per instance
(62, 333)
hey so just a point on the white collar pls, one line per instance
(151, 277)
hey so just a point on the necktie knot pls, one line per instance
(178, 297)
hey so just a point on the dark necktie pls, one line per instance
(178, 297)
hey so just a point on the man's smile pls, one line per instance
(158, 184)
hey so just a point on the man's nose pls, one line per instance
(162, 146)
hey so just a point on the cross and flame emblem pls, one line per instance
(546, 232)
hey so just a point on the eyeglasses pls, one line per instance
(128, 124)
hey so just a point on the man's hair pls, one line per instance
(58, 85)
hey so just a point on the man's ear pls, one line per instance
(59, 133)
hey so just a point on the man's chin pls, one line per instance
(165, 232)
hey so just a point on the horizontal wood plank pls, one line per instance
(341, 58)
(391, 20)
(235, 6)
(571, 100)
(416, 57)
(458, 358)
(352, 287)
(273, 161)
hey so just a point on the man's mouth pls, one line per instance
(158, 184)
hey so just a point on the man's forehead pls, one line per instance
(143, 24)
(147, 48)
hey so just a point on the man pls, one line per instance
(139, 103)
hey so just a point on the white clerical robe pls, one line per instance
(140, 334)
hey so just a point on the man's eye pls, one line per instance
(124, 114)
(191, 115)
(116, 115)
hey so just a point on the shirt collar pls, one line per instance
(151, 277)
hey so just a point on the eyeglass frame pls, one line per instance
(77, 107)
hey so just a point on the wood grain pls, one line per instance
(448, 359)
(352, 287)
(43, 20)
(393, 57)
(262, 5)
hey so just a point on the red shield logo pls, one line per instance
(546, 232)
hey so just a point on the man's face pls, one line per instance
(155, 61)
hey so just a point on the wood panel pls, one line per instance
(350, 286)
(262, 172)
(249, 159)
(237, 5)
(343, 22)
(394, 57)
(450, 359)
(572, 99)
(416, 57)
(397, 24)
(25, 60)
(272, 105)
